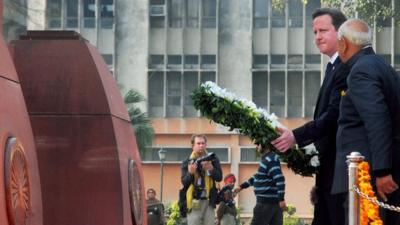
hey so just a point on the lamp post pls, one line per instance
(161, 154)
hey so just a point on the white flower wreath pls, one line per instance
(240, 114)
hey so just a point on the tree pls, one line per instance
(141, 123)
(369, 10)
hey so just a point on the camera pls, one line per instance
(209, 157)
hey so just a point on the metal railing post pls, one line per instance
(354, 202)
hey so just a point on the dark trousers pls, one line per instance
(267, 214)
(391, 217)
(329, 208)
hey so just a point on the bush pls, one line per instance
(174, 215)
(290, 218)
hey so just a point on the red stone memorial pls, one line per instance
(20, 194)
(88, 159)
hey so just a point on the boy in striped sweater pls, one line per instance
(269, 188)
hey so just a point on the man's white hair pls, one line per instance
(360, 35)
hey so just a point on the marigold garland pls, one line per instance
(369, 212)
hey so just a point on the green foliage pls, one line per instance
(174, 216)
(141, 123)
(369, 10)
(290, 218)
(238, 218)
(280, 4)
(238, 115)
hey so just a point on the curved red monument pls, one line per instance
(89, 163)
(20, 195)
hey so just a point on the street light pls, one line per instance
(161, 154)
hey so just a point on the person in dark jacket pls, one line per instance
(328, 207)
(199, 193)
(155, 208)
(369, 120)
(226, 212)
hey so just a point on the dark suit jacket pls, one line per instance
(369, 120)
(322, 130)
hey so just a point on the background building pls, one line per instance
(166, 48)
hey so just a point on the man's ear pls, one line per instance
(343, 48)
(345, 45)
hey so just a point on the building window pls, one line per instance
(192, 13)
(380, 22)
(156, 94)
(260, 13)
(207, 76)
(191, 61)
(260, 89)
(277, 101)
(156, 62)
(174, 62)
(179, 154)
(179, 87)
(295, 79)
(278, 18)
(313, 61)
(270, 89)
(108, 59)
(249, 154)
(397, 61)
(311, 89)
(106, 14)
(157, 22)
(175, 13)
(260, 61)
(157, 14)
(209, 13)
(72, 14)
(174, 94)
(278, 61)
(65, 13)
(295, 61)
(89, 11)
(208, 62)
(190, 80)
(54, 8)
(295, 13)
(310, 7)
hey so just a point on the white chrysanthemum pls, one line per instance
(314, 161)
(223, 93)
(310, 149)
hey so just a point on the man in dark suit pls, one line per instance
(369, 120)
(321, 131)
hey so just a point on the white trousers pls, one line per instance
(204, 215)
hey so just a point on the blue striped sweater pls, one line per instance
(268, 182)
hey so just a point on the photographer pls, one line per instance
(199, 194)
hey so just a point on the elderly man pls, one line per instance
(369, 119)
(199, 194)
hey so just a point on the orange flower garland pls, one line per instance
(369, 212)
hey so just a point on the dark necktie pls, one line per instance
(329, 68)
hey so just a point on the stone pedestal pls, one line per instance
(20, 193)
(89, 163)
